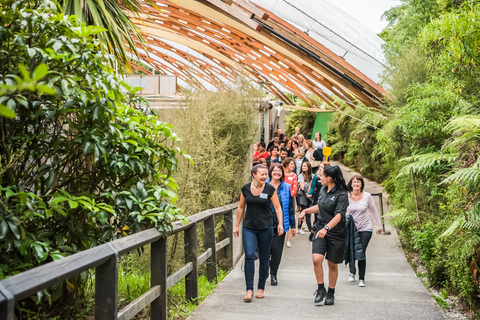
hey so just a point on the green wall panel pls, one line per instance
(321, 123)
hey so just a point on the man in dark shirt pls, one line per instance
(274, 142)
(283, 154)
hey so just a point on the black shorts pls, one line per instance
(332, 246)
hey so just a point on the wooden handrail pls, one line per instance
(104, 258)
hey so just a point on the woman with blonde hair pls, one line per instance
(300, 139)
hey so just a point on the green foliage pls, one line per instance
(421, 121)
(432, 76)
(452, 43)
(179, 307)
(111, 16)
(305, 120)
(401, 218)
(218, 129)
(409, 68)
(406, 21)
(423, 162)
(354, 141)
(133, 280)
(84, 160)
(24, 83)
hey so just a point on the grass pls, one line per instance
(179, 307)
(134, 280)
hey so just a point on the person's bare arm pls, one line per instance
(240, 209)
(310, 210)
(278, 212)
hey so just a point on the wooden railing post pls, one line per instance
(158, 267)
(228, 227)
(7, 304)
(191, 280)
(106, 288)
(210, 244)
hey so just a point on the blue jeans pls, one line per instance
(252, 238)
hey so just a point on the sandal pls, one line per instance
(260, 295)
(248, 297)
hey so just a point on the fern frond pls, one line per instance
(472, 219)
(467, 176)
(465, 245)
(468, 222)
(419, 163)
(401, 217)
(454, 227)
(463, 140)
(464, 123)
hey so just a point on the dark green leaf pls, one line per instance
(14, 229)
(3, 229)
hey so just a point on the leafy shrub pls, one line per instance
(218, 129)
(84, 161)
(304, 120)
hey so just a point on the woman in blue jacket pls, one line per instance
(283, 191)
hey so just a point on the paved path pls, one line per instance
(393, 291)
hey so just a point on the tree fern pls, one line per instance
(468, 222)
(469, 177)
(453, 227)
(464, 124)
(401, 217)
(419, 163)
(472, 221)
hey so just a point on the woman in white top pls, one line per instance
(362, 208)
(319, 143)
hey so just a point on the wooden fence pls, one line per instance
(104, 259)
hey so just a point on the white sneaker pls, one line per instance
(300, 231)
(351, 277)
(289, 244)
(361, 283)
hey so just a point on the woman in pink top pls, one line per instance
(362, 208)
(290, 178)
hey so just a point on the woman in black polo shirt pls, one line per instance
(257, 227)
(329, 240)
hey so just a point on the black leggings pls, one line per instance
(365, 237)
(276, 252)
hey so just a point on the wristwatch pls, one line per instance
(326, 228)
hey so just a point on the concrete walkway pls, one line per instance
(392, 289)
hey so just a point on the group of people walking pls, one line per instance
(269, 222)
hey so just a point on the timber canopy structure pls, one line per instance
(209, 42)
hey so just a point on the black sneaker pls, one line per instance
(273, 280)
(330, 299)
(320, 295)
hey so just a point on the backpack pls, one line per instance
(318, 155)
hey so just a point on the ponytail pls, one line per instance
(336, 174)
